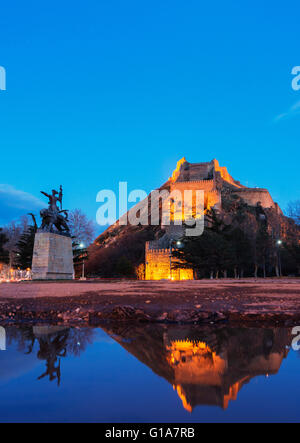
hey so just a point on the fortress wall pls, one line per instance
(255, 195)
(186, 171)
(212, 198)
(211, 195)
(191, 171)
(177, 170)
(198, 171)
(205, 185)
(158, 265)
(223, 172)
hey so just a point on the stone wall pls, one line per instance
(186, 171)
(212, 178)
(212, 196)
(254, 195)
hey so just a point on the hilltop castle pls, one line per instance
(216, 182)
(149, 246)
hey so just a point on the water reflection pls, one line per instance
(204, 365)
(52, 342)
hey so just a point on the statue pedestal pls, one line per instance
(52, 257)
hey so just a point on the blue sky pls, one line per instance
(105, 91)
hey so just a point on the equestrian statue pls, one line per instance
(53, 215)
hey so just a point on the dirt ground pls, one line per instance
(277, 300)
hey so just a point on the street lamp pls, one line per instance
(170, 254)
(82, 276)
(179, 245)
(279, 243)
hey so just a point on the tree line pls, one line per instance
(243, 241)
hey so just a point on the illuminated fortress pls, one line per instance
(216, 182)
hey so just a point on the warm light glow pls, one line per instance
(158, 270)
(8, 275)
(233, 392)
(224, 173)
(195, 362)
(158, 266)
(182, 397)
(187, 345)
(177, 170)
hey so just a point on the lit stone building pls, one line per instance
(159, 262)
(216, 182)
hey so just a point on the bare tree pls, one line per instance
(293, 210)
(81, 228)
(13, 232)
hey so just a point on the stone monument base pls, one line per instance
(52, 257)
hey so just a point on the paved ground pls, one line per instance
(159, 300)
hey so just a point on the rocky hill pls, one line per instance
(120, 250)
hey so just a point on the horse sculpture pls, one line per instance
(50, 219)
(52, 216)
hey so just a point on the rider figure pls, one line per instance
(53, 215)
(53, 199)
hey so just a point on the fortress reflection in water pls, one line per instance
(205, 365)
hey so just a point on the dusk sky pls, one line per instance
(105, 91)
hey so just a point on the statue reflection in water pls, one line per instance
(52, 343)
(51, 350)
